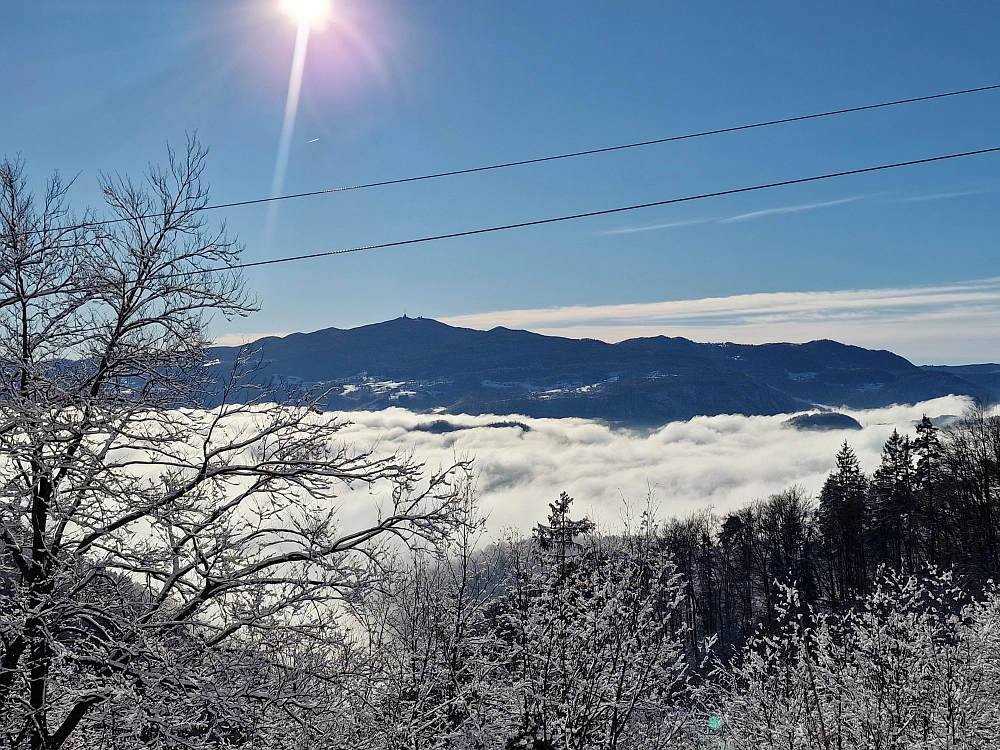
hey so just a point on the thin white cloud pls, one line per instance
(942, 196)
(937, 323)
(789, 209)
(795, 208)
(239, 339)
(739, 217)
(668, 225)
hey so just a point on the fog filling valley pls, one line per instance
(522, 464)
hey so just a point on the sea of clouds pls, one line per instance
(723, 461)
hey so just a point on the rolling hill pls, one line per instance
(429, 366)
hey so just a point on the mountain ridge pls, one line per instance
(430, 366)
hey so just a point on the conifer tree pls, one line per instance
(928, 479)
(843, 510)
(892, 532)
(557, 540)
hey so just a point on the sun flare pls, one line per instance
(307, 11)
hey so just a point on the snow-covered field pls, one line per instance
(721, 461)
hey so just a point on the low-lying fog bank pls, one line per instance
(724, 461)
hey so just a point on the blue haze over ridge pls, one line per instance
(428, 366)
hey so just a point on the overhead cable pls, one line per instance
(601, 212)
(542, 159)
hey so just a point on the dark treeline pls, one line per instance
(933, 502)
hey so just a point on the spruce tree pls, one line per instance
(843, 511)
(557, 540)
(930, 498)
(892, 531)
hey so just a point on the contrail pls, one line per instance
(287, 128)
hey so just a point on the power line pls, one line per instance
(602, 212)
(542, 159)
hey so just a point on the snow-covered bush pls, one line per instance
(913, 666)
(560, 646)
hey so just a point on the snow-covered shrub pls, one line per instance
(911, 667)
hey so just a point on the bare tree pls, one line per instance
(432, 676)
(165, 572)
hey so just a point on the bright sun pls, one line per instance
(307, 11)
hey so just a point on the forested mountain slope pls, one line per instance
(427, 365)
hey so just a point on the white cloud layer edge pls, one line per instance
(723, 461)
(946, 323)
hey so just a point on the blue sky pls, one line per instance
(395, 88)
